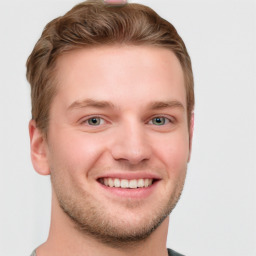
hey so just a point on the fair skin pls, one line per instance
(119, 119)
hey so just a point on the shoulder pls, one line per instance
(173, 253)
(33, 253)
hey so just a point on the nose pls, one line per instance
(131, 143)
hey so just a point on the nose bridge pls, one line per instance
(131, 142)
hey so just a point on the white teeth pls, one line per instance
(140, 183)
(133, 184)
(124, 183)
(116, 183)
(148, 182)
(110, 183)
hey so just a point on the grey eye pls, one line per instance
(94, 121)
(159, 120)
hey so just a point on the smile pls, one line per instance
(124, 183)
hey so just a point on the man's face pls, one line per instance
(118, 139)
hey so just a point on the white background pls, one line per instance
(217, 211)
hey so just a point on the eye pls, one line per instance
(159, 121)
(94, 121)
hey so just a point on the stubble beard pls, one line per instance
(92, 220)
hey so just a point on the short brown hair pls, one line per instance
(93, 23)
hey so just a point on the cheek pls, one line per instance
(76, 152)
(174, 154)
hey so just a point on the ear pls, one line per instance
(191, 132)
(38, 149)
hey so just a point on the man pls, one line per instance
(112, 123)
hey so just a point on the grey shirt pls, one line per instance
(33, 253)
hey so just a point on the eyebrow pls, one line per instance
(166, 104)
(90, 103)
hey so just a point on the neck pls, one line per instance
(65, 239)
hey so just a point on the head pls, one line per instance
(92, 24)
(112, 101)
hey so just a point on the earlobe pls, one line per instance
(191, 132)
(38, 149)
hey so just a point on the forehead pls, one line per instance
(118, 73)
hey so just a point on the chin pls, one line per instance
(117, 228)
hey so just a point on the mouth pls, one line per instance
(129, 185)
(126, 184)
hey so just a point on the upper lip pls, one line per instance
(130, 175)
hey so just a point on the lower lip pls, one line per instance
(137, 193)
